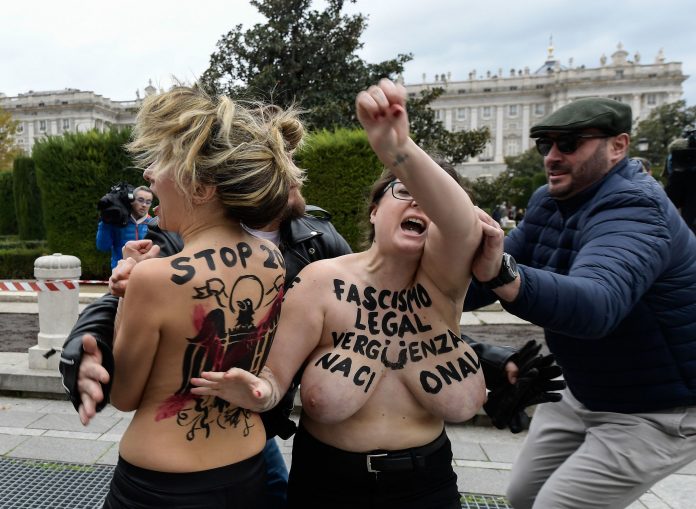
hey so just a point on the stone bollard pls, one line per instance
(58, 310)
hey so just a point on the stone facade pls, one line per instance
(509, 105)
(55, 112)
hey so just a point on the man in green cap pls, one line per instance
(603, 262)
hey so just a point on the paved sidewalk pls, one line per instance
(49, 430)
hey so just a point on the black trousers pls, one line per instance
(324, 476)
(238, 486)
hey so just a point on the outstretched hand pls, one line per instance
(237, 386)
(536, 383)
(381, 110)
(89, 379)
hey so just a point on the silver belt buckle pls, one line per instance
(369, 461)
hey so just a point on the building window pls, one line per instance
(20, 128)
(486, 112)
(42, 126)
(461, 113)
(617, 98)
(461, 91)
(438, 114)
(539, 109)
(66, 124)
(619, 74)
(651, 99)
(487, 154)
(512, 147)
(20, 141)
(512, 110)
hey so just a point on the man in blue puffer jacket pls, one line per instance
(608, 268)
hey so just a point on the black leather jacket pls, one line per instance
(302, 241)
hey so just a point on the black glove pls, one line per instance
(535, 384)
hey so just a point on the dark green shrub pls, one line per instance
(73, 172)
(18, 263)
(341, 167)
(13, 242)
(8, 218)
(27, 200)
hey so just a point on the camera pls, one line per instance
(684, 159)
(115, 206)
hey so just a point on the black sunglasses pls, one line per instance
(566, 143)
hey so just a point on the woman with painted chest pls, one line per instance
(378, 334)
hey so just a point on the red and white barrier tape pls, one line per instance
(56, 285)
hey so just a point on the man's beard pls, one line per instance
(584, 176)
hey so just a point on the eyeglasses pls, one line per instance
(398, 191)
(566, 143)
(144, 201)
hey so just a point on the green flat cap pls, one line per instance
(611, 117)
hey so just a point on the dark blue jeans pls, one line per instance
(276, 475)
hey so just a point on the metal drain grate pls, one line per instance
(471, 501)
(36, 484)
(29, 484)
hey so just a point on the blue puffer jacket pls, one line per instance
(111, 237)
(611, 276)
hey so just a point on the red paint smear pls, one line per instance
(198, 317)
(173, 405)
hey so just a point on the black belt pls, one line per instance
(409, 459)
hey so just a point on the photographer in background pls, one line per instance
(681, 177)
(123, 218)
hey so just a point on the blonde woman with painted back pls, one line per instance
(213, 163)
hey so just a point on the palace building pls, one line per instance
(54, 112)
(510, 104)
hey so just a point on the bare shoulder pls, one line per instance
(323, 271)
(149, 271)
(148, 278)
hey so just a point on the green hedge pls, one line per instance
(8, 218)
(27, 200)
(73, 172)
(341, 167)
(18, 263)
(13, 242)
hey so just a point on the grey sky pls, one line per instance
(114, 48)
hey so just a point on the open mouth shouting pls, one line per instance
(413, 224)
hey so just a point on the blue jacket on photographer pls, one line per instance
(119, 222)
